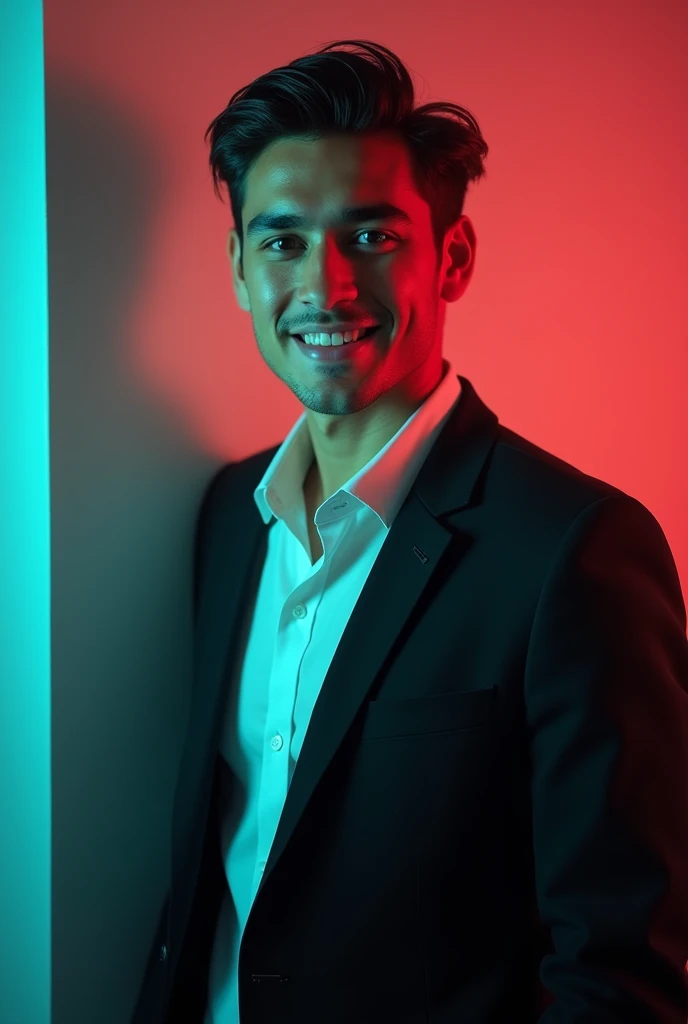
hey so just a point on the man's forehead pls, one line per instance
(356, 163)
(303, 192)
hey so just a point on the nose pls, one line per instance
(328, 277)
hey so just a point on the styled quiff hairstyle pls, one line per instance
(340, 92)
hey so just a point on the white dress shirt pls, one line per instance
(290, 636)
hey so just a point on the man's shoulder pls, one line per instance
(526, 468)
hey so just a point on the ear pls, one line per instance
(238, 281)
(459, 260)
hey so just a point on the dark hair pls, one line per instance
(326, 93)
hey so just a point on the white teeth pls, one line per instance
(331, 339)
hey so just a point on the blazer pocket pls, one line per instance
(439, 712)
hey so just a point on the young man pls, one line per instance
(437, 760)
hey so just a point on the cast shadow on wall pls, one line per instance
(125, 485)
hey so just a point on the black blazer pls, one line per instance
(488, 820)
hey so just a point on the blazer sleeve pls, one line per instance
(606, 692)
(202, 541)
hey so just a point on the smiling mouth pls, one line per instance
(362, 336)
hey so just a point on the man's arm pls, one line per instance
(606, 689)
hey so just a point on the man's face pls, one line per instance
(323, 272)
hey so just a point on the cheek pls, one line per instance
(268, 285)
(408, 276)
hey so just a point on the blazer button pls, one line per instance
(163, 952)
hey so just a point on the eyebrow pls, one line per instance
(349, 215)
